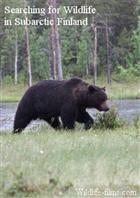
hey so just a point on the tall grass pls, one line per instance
(49, 163)
(124, 90)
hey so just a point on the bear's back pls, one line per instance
(53, 90)
(72, 81)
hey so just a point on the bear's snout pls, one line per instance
(106, 109)
(104, 106)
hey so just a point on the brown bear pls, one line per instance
(67, 99)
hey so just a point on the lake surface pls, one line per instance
(127, 109)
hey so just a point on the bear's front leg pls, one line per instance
(68, 116)
(84, 117)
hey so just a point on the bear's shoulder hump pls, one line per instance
(74, 81)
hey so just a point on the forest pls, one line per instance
(107, 47)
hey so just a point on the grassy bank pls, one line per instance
(49, 163)
(124, 90)
(12, 93)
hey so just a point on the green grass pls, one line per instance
(49, 163)
(124, 90)
(12, 93)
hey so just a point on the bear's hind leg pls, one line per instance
(53, 122)
(56, 123)
(68, 123)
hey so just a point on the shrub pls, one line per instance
(19, 185)
(8, 80)
(109, 120)
(136, 122)
(22, 77)
(132, 71)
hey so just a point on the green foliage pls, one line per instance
(76, 42)
(108, 120)
(82, 53)
(136, 42)
(122, 72)
(19, 185)
(22, 77)
(8, 80)
(123, 47)
(137, 125)
(40, 66)
(134, 69)
(128, 73)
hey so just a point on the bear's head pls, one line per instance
(97, 98)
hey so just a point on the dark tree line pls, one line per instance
(109, 44)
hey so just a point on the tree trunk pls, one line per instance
(28, 49)
(50, 56)
(108, 69)
(95, 55)
(58, 55)
(139, 32)
(53, 47)
(56, 49)
(16, 58)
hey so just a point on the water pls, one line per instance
(127, 109)
(7, 114)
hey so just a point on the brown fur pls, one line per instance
(68, 99)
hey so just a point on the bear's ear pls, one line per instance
(104, 88)
(91, 88)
